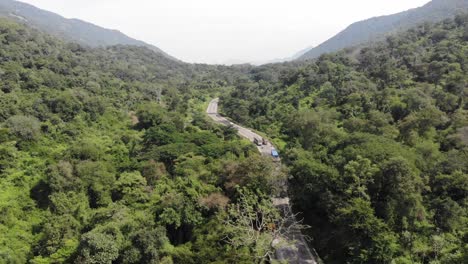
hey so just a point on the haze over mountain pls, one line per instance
(74, 30)
(219, 32)
(375, 28)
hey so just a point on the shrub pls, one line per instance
(25, 127)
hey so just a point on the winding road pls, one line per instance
(296, 250)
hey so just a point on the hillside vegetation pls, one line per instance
(376, 28)
(73, 30)
(377, 145)
(106, 157)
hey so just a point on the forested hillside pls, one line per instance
(106, 157)
(376, 144)
(73, 30)
(376, 28)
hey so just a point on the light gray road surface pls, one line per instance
(296, 250)
(212, 111)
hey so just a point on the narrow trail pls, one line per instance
(297, 250)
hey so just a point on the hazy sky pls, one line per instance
(220, 31)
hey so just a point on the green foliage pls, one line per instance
(100, 158)
(106, 158)
(130, 187)
(26, 128)
(374, 143)
(97, 247)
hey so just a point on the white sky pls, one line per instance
(221, 31)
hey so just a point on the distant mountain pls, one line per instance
(73, 30)
(280, 60)
(300, 53)
(377, 27)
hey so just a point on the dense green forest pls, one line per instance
(106, 157)
(376, 141)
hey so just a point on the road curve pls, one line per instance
(297, 250)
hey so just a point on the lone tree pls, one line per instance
(25, 127)
(255, 223)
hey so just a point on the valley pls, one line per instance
(113, 151)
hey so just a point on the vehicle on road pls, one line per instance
(257, 142)
(264, 141)
(274, 154)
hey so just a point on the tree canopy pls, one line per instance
(374, 138)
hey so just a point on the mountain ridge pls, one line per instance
(73, 29)
(375, 28)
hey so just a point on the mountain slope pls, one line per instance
(106, 158)
(377, 27)
(74, 30)
(376, 145)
